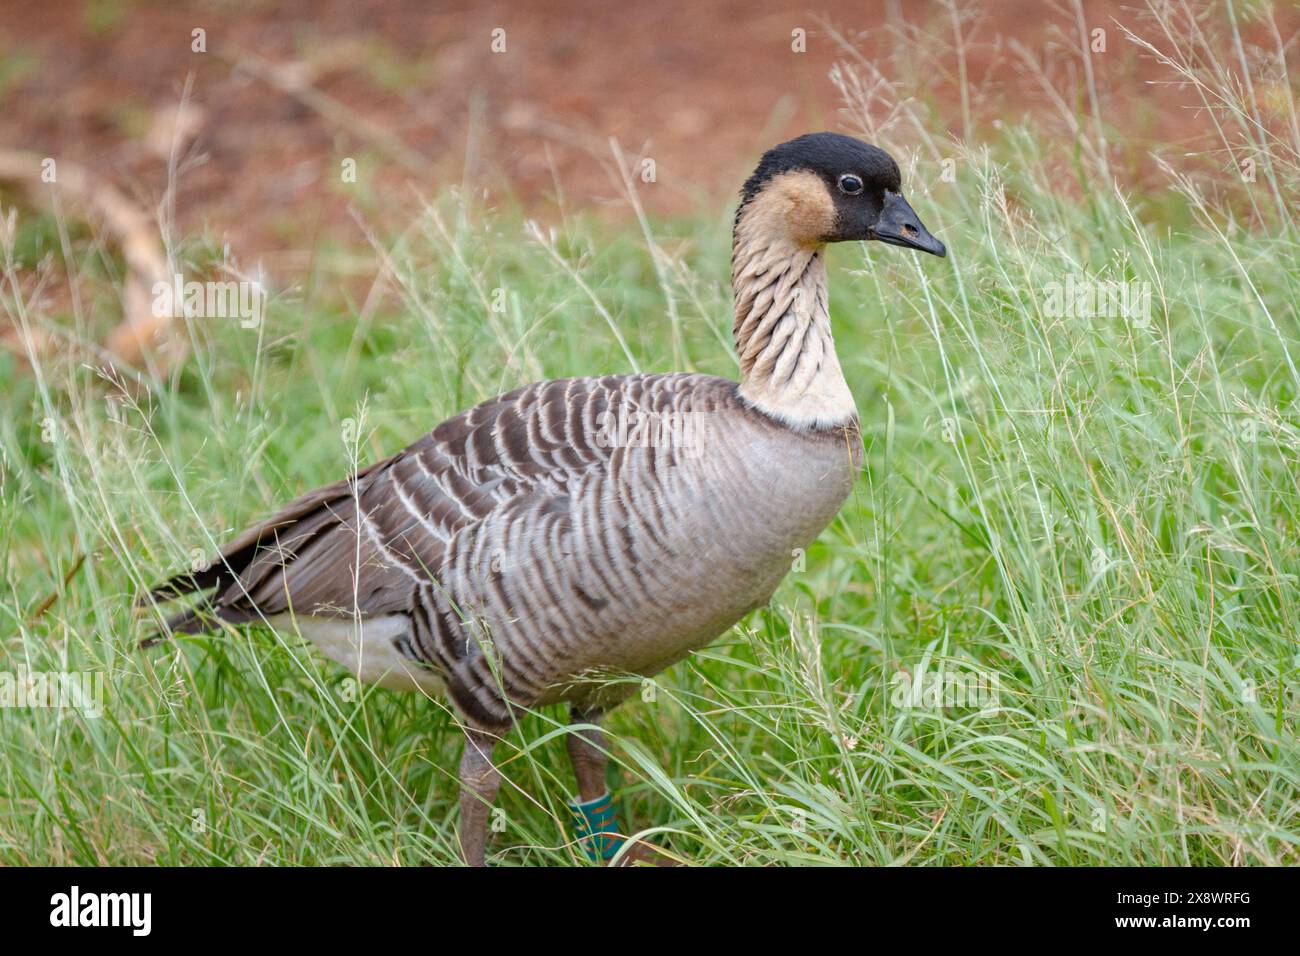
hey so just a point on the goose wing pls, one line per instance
(367, 543)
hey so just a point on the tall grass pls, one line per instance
(1097, 515)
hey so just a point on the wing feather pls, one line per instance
(368, 543)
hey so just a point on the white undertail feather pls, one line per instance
(365, 649)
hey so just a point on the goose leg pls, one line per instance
(589, 754)
(479, 781)
(593, 811)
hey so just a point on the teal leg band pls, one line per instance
(597, 826)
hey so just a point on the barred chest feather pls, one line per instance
(684, 543)
(756, 495)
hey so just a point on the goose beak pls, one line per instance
(899, 225)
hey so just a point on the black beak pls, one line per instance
(899, 225)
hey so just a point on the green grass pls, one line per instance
(1100, 514)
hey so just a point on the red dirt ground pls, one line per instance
(700, 87)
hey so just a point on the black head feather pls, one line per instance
(862, 182)
(829, 155)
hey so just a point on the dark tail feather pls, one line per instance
(210, 582)
(187, 622)
(200, 619)
(223, 580)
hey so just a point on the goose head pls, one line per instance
(824, 187)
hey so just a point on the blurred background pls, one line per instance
(251, 133)
(1098, 508)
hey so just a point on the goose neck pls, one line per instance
(788, 365)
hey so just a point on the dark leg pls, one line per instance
(589, 753)
(479, 781)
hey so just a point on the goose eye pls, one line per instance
(850, 185)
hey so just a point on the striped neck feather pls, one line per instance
(788, 365)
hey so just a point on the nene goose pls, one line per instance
(527, 549)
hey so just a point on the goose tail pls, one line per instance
(243, 565)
